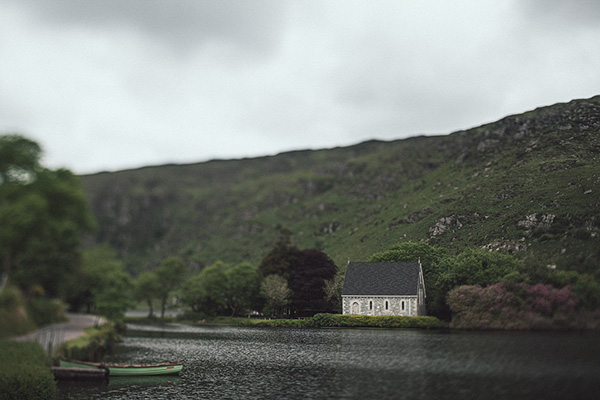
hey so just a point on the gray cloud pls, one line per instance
(122, 83)
(556, 14)
(182, 24)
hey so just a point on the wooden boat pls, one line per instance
(116, 369)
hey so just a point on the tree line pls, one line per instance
(300, 283)
(44, 216)
(288, 281)
(448, 277)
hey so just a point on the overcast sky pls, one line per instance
(115, 84)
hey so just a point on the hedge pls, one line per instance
(25, 372)
(379, 321)
(350, 321)
(275, 323)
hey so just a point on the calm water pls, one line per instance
(255, 363)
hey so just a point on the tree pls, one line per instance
(279, 260)
(305, 271)
(146, 288)
(43, 214)
(587, 290)
(333, 292)
(171, 274)
(114, 299)
(19, 163)
(193, 293)
(411, 252)
(242, 288)
(102, 285)
(222, 288)
(274, 289)
(310, 270)
(19, 159)
(205, 292)
(430, 258)
(473, 266)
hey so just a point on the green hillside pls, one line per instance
(528, 184)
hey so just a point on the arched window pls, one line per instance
(387, 305)
(402, 305)
(371, 305)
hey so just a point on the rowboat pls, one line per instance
(116, 369)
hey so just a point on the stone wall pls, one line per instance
(380, 305)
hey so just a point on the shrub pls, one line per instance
(25, 372)
(92, 346)
(582, 234)
(14, 319)
(324, 320)
(392, 321)
(10, 298)
(277, 323)
(45, 311)
(519, 306)
(588, 291)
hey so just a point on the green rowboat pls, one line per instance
(114, 369)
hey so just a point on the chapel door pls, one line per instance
(355, 308)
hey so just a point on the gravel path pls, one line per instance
(50, 337)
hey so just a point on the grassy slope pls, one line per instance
(470, 188)
(25, 372)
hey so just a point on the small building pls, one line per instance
(384, 288)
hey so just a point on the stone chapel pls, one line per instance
(384, 288)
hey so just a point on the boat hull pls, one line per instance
(128, 369)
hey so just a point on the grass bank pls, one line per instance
(364, 321)
(25, 372)
(324, 321)
(92, 346)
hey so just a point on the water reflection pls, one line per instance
(254, 363)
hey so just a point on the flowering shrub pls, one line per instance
(519, 306)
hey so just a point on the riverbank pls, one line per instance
(318, 321)
(92, 345)
(355, 363)
(25, 361)
(51, 337)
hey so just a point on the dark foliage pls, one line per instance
(309, 272)
(279, 260)
(519, 306)
(43, 214)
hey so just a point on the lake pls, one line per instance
(283, 363)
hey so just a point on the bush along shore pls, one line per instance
(520, 306)
(318, 321)
(25, 371)
(92, 346)
(364, 321)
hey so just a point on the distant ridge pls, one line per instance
(526, 184)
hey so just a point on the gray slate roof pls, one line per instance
(381, 279)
